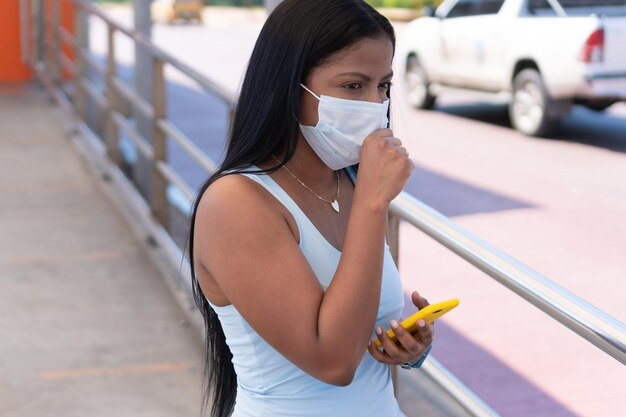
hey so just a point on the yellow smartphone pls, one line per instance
(429, 313)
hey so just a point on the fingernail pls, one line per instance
(379, 330)
(421, 323)
(394, 324)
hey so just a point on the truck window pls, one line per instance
(465, 8)
(543, 5)
(490, 6)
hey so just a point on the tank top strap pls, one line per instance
(277, 191)
(305, 227)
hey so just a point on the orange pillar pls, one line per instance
(11, 66)
(12, 69)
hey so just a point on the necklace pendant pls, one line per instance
(335, 205)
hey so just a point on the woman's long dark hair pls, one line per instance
(297, 37)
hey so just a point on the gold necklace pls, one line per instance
(334, 203)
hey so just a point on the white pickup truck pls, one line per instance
(540, 56)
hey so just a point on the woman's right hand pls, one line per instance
(384, 168)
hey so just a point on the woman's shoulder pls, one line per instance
(229, 192)
(233, 197)
(237, 207)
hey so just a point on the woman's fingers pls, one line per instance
(411, 345)
(383, 170)
(419, 301)
(379, 355)
(402, 151)
(396, 351)
(397, 143)
(425, 332)
(394, 141)
(388, 345)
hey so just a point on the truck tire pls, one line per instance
(531, 109)
(417, 85)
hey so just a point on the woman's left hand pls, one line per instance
(411, 346)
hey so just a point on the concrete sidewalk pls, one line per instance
(88, 327)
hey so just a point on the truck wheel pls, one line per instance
(417, 85)
(530, 110)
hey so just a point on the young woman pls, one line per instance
(289, 261)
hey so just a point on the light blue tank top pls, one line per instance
(269, 385)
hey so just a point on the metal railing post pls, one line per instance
(393, 237)
(112, 131)
(24, 32)
(55, 53)
(158, 184)
(39, 31)
(80, 95)
(231, 120)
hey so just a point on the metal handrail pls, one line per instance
(93, 64)
(175, 179)
(67, 37)
(465, 397)
(93, 92)
(594, 325)
(67, 64)
(132, 97)
(139, 141)
(201, 158)
(203, 81)
(586, 320)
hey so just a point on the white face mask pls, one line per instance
(342, 127)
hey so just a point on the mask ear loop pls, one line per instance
(389, 109)
(314, 95)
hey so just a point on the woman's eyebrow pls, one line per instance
(361, 75)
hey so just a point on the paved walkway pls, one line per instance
(87, 325)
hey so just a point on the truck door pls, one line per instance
(487, 49)
(468, 39)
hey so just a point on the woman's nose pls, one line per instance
(377, 96)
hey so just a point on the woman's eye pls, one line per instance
(352, 86)
(387, 85)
